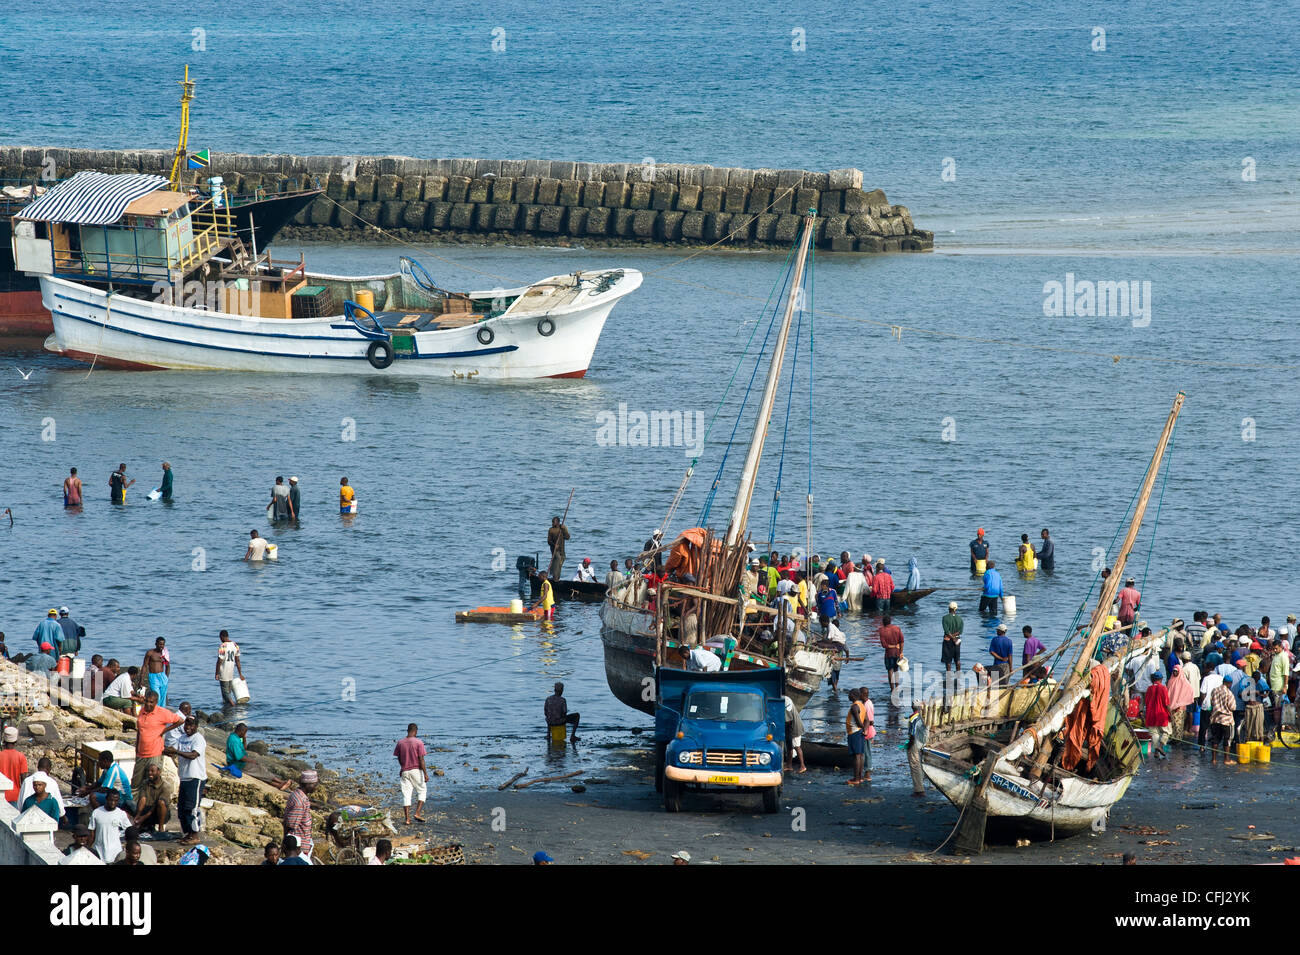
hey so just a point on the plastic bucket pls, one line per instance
(980, 567)
(557, 732)
(272, 552)
(1008, 604)
(516, 606)
(78, 668)
(1243, 753)
(241, 691)
(64, 667)
(365, 298)
(1261, 752)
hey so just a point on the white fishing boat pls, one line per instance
(139, 276)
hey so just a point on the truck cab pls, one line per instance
(719, 732)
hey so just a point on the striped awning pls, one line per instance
(91, 198)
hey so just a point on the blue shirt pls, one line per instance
(1001, 645)
(115, 778)
(979, 549)
(829, 605)
(40, 662)
(992, 583)
(48, 631)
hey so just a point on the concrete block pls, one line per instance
(741, 228)
(513, 168)
(759, 197)
(855, 201)
(817, 180)
(390, 216)
(321, 212)
(711, 198)
(387, 166)
(537, 168)
(347, 214)
(363, 188)
(435, 188)
(734, 198)
(598, 221)
(335, 186)
(561, 169)
(413, 215)
(457, 189)
(593, 194)
(548, 190)
(462, 216)
(616, 193)
(439, 216)
(765, 227)
(412, 188)
(643, 222)
(716, 225)
(586, 171)
(479, 190)
(906, 216)
(893, 244)
(766, 179)
(389, 186)
(896, 226)
(370, 213)
(570, 192)
(712, 176)
(532, 214)
(484, 168)
(613, 172)
(664, 195)
(843, 243)
(525, 189)
(484, 215)
(862, 224)
(782, 200)
(787, 227)
(576, 221)
(789, 177)
(837, 227)
(506, 218)
(688, 196)
(623, 219)
(551, 219)
(641, 195)
(830, 203)
(841, 179)
(690, 175)
(744, 178)
(641, 171)
(670, 226)
(805, 199)
(503, 189)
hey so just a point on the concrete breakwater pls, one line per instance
(537, 200)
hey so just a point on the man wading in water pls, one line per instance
(555, 538)
(72, 490)
(117, 484)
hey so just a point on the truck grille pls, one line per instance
(730, 757)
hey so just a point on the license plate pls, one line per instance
(725, 780)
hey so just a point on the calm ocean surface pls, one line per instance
(1117, 165)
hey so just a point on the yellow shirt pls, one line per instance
(548, 595)
(346, 494)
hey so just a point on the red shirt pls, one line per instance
(1129, 598)
(13, 764)
(891, 638)
(408, 751)
(149, 739)
(1157, 703)
(882, 585)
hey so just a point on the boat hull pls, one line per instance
(1015, 804)
(135, 333)
(627, 636)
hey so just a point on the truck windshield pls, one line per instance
(724, 705)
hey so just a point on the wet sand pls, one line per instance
(1177, 811)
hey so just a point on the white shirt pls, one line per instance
(227, 654)
(196, 768)
(258, 547)
(585, 573)
(120, 687)
(703, 661)
(1209, 683)
(172, 738)
(784, 586)
(108, 828)
(51, 788)
(835, 634)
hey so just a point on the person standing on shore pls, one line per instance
(1156, 714)
(157, 667)
(117, 484)
(979, 550)
(950, 654)
(151, 723)
(190, 753)
(297, 813)
(1046, 553)
(918, 734)
(72, 489)
(891, 639)
(992, 589)
(855, 723)
(295, 499)
(168, 479)
(413, 774)
(228, 665)
(13, 764)
(555, 538)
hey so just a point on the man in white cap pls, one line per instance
(681, 858)
(70, 643)
(1000, 648)
(1130, 601)
(13, 764)
(295, 497)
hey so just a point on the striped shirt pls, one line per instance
(297, 818)
(1223, 705)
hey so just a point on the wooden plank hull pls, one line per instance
(584, 591)
(496, 615)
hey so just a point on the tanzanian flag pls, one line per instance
(198, 160)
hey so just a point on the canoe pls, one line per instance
(497, 615)
(905, 598)
(586, 591)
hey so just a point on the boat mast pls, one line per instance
(1084, 661)
(183, 141)
(745, 491)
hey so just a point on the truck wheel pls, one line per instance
(672, 795)
(661, 752)
(772, 799)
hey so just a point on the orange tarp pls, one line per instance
(684, 558)
(1086, 726)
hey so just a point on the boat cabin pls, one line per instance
(129, 229)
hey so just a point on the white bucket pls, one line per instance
(241, 690)
(272, 552)
(516, 606)
(1008, 604)
(78, 668)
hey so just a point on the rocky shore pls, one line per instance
(553, 202)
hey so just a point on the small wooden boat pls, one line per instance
(584, 591)
(497, 615)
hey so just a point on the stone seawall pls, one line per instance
(538, 200)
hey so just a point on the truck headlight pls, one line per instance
(688, 756)
(764, 759)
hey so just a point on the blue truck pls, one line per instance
(719, 732)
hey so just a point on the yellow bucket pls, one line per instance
(1261, 752)
(980, 567)
(1243, 752)
(365, 298)
(558, 733)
